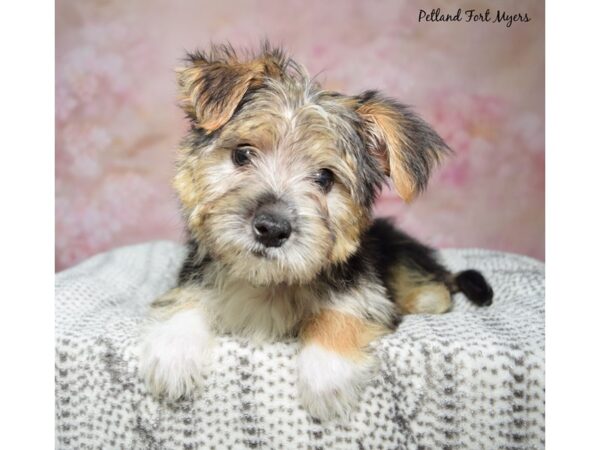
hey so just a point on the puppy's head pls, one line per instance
(277, 176)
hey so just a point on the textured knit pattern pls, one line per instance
(469, 379)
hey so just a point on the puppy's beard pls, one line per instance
(298, 261)
(283, 265)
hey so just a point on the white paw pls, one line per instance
(330, 384)
(175, 354)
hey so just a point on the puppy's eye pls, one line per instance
(242, 155)
(324, 178)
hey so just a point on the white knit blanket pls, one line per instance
(469, 379)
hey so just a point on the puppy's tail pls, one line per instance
(473, 285)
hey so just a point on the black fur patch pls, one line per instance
(475, 287)
(389, 247)
(192, 269)
(346, 275)
(370, 176)
(384, 247)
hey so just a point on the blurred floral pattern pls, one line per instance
(480, 84)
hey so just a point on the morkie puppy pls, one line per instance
(277, 178)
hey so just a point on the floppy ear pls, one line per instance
(406, 146)
(212, 84)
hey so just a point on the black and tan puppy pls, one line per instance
(277, 178)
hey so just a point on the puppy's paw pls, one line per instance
(330, 384)
(175, 353)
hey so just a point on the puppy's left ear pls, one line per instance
(405, 145)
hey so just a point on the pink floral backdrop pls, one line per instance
(480, 84)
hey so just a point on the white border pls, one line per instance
(27, 224)
(572, 224)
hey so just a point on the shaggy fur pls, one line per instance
(277, 178)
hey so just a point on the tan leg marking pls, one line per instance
(426, 299)
(340, 332)
(418, 293)
(334, 363)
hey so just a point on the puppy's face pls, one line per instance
(277, 177)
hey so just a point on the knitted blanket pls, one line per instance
(469, 379)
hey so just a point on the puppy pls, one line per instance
(277, 178)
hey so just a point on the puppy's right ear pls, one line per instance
(212, 85)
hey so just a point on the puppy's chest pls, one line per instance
(260, 313)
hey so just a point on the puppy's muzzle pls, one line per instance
(271, 225)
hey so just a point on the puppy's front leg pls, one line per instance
(334, 364)
(176, 347)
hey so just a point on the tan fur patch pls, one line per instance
(339, 332)
(261, 131)
(428, 299)
(184, 184)
(347, 225)
(405, 280)
(415, 293)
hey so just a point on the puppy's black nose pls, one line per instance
(270, 228)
